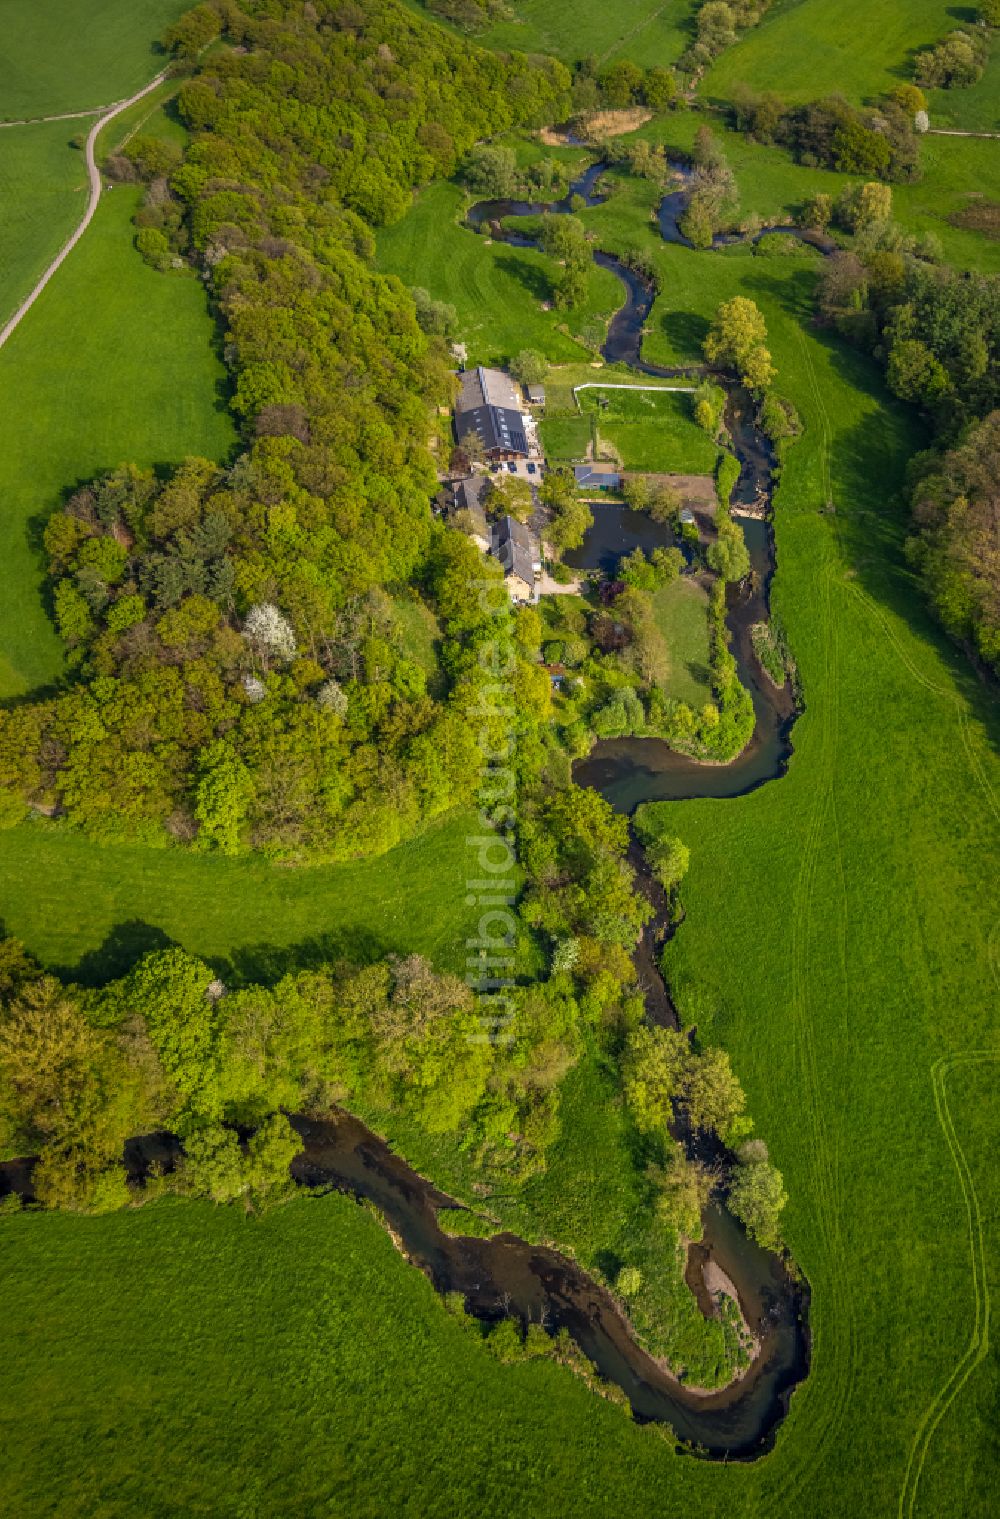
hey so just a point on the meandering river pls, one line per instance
(506, 1274)
(741, 1420)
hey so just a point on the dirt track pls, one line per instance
(94, 175)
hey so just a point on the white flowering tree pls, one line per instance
(332, 697)
(269, 633)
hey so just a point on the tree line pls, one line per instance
(936, 330)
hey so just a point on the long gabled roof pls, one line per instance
(515, 549)
(487, 387)
(498, 429)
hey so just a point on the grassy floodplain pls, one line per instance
(843, 918)
(183, 1359)
(500, 293)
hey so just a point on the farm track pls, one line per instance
(37, 121)
(94, 175)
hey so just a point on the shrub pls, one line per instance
(778, 417)
(628, 1281)
(726, 476)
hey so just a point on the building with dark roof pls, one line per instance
(489, 409)
(518, 555)
(589, 479)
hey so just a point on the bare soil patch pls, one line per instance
(979, 216)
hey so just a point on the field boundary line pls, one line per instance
(94, 174)
(979, 1341)
(639, 27)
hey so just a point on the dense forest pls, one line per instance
(240, 635)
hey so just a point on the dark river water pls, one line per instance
(506, 1274)
(741, 1421)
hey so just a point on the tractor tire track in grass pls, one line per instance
(978, 1346)
(840, 1350)
(979, 1342)
(840, 1346)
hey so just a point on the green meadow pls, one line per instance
(565, 438)
(43, 189)
(652, 430)
(646, 31)
(680, 613)
(805, 48)
(499, 292)
(91, 910)
(54, 58)
(114, 362)
(841, 920)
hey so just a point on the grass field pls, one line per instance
(498, 291)
(806, 48)
(646, 31)
(565, 437)
(92, 910)
(287, 1365)
(43, 189)
(54, 59)
(114, 362)
(976, 109)
(652, 430)
(183, 1360)
(680, 611)
(773, 186)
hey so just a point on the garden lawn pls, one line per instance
(646, 31)
(652, 430)
(680, 613)
(565, 438)
(57, 58)
(498, 291)
(114, 362)
(90, 910)
(806, 48)
(43, 190)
